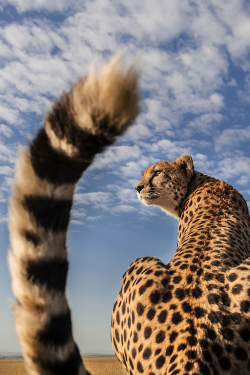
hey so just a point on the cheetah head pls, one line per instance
(165, 184)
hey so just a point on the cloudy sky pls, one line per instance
(195, 84)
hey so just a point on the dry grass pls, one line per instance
(12, 367)
(95, 365)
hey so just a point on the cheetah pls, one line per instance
(80, 125)
(192, 315)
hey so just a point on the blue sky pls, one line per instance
(195, 83)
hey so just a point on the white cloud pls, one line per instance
(237, 167)
(6, 170)
(5, 131)
(115, 155)
(93, 218)
(51, 6)
(231, 138)
(138, 131)
(97, 199)
(232, 82)
(123, 208)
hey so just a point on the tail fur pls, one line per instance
(81, 123)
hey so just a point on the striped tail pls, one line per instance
(80, 125)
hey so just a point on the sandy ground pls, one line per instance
(96, 365)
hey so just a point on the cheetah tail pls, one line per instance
(81, 123)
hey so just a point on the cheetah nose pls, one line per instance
(139, 188)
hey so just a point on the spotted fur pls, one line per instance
(80, 125)
(192, 315)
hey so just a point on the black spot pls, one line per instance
(126, 286)
(140, 348)
(177, 279)
(208, 276)
(232, 277)
(118, 317)
(131, 270)
(131, 364)
(129, 322)
(169, 350)
(237, 289)
(147, 353)
(244, 306)
(172, 367)
(189, 279)
(236, 318)
(123, 308)
(158, 273)
(180, 294)
(155, 297)
(207, 356)
(224, 363)
(162, 316)
(186, 307)
(135, 339)
(167, 297)
(192, 340)
(176, 318)
(217, 349)
(203, 343)
(199, 312)
(133, 296)
(220, 278)
(151, 314)
(140, 309)
(183, 267)
(241, 354)
(133, 317)
(193, 268)
(191, 354)
(211, 334)
(165, 282)
(138, 326)
(160, 362)
(139, 271)
(245, 334)
(173, 336)
(204, 369)
(147, 332)
(117, 335)
(226, 301)
(213, 299)
(173, 358)
(160, 337)
(134, 353)
(225, 320)
(214, 317)
(228, 334)
(196, 292)
(189, 366)
(139, 367)
(181, 347)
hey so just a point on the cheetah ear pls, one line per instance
(185, 162)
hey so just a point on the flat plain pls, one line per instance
(96, 365)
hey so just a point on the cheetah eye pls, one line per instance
(157, 173)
